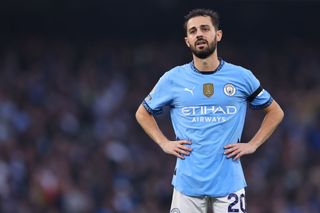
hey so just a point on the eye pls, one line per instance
(192, 31)
(205, 29)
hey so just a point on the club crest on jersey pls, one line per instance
(208, 89)
(229, 89)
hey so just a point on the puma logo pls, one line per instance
(189, 90)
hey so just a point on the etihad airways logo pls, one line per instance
(208, 110)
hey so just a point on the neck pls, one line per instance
(208, 64)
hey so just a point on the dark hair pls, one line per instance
(202, 12)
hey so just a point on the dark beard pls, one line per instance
(206, 52)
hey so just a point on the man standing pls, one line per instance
(208, 98)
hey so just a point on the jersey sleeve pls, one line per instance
(159, 97)
(258, 98)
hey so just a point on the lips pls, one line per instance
(201, 42)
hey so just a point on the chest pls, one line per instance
(208, 90)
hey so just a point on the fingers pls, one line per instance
(181, 150)
(186, 148)
(233, 150)
(184, 142)
(181, 145)
(230, 148)
(179, 156)
(180, 153)
(237, 156)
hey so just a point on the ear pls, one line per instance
(219, 35)
(187, 41)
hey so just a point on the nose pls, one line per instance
(199, 36)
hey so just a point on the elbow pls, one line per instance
(140, 113)
(280, 114)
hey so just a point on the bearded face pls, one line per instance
(202, 48)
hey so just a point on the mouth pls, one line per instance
(201, 43)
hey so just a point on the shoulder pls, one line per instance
(177, 71)
(237, 70)
(234, 67)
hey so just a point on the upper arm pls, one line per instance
(141, 111)
(160, 96)
(274, 111)
(257, 97)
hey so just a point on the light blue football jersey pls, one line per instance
(209, 110)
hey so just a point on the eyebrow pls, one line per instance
(201, 26)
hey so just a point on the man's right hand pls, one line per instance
(176, 148)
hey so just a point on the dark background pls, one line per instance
(153, 20)
(72, 74)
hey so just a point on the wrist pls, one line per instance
(162, 142)
(254, 145)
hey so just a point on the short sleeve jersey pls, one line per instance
(209, 110)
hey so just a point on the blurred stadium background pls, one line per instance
(72, 74)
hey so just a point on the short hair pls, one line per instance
(215, 19)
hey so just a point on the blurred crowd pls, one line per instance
(69, 141)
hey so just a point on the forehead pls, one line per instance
(198, 21)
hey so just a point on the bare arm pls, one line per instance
(150, 126)
(272, 118)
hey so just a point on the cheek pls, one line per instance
(214, 38)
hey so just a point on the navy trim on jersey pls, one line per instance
(151, 111)
(251, 97)
(262, 106)
(207, 72)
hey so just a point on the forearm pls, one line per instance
(273, 117)
(150, 126)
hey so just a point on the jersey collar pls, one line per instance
(207, 72)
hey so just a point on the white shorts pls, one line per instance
(234, 202)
